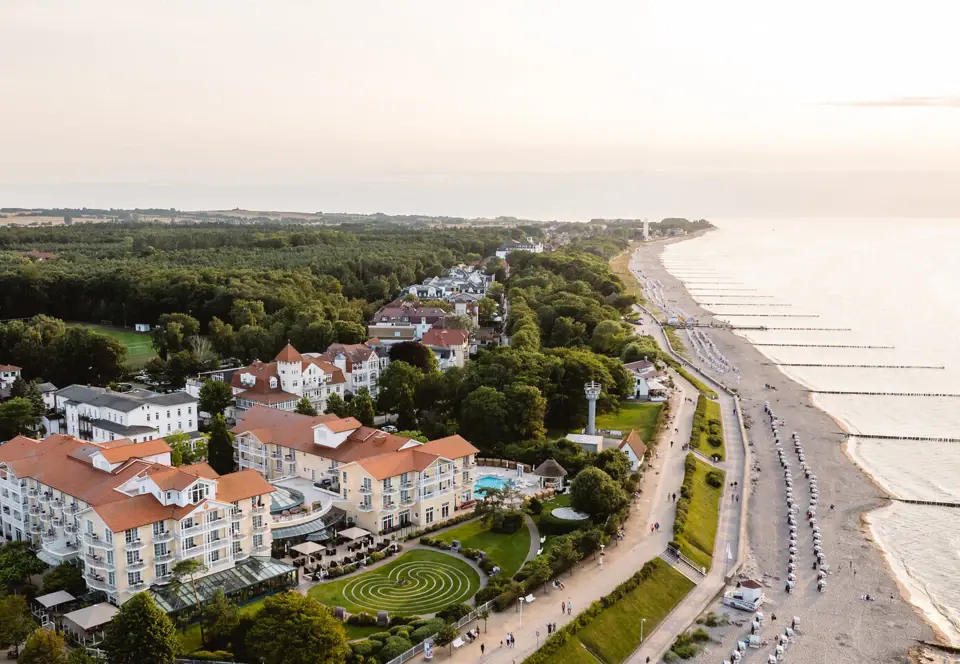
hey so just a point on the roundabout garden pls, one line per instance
(418, 582)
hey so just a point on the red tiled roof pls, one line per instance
(451, 447)
(289, 354)
(242, 484)
(10, 367)
(119, 454)
(445, 338)
(396, 463)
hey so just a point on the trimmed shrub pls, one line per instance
(380, 636)
(212, 655)
(394, 647)
(429, 628)
(402, 620)
(361, 618)
(364, 648)
(507, 521)
(715, 478)
(534, 505)
(454, 612)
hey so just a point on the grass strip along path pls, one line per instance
(707, 433)
(610, 627)
(698, 511)
(418, 582)
(632, 415)
(507, 550)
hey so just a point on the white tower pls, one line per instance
(592, 390)
(646, 230)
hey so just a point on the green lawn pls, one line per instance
(700, 533)
(674, 337)
(508, 550)
(632, 415)
(572, 652)
(417, 583)
(615, 633)
(190, 637)
(138, 345)
(707, 411)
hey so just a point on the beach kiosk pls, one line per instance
(550, 474)
(747, 596)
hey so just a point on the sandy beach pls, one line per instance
(837, 625)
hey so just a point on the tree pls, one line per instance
(614, 463)
(361, 407)
(538, 571)
(43, 647)
(487, 309)
(397, 379)
(183, 452)
(495, 291)
(141, 633)
(221, 617)
(17, 417)
(526, 409)
(567, 332)
(293, 629)
(563, 554)
(170, 333)
(220, 446)
(247, 312)
(19, 388)
(64, 577)
(484, 615)
(413, 434)
(349, 332)
(17, 564)
(336, 406)
(36, 398)
(304, 407)
(407, 412)
(526, 339)
(595, 493)
(483, 417)
(414, 353)
(608, 337)
(446, 636)
(459, 322)
(215, 397)
(17, 623)
(81, 656)
(186, 572)
(180, 366)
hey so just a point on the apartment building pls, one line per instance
(122, 513)
(457, 280)
(450, 347)
(404, 321)
(101, 415)
(360, 364)
(380, 480)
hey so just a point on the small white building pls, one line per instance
(142, 327)
(450, 347)
(531, 245)
(634, 448)
(643, 371)
(8, 374)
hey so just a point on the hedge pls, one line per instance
(442, 524)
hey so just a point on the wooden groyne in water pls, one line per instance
(693, 288)
(827, 346)
(744, 304)
(764, 328)
(855, 366)
(746, 297)
(936, 503)
(724, 313)
(889, 394)
(923, 439)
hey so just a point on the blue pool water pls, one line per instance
(485, 482)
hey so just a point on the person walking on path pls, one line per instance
(569, 607)
(563, 608)
(482, 648)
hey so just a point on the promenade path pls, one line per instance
(587, 582)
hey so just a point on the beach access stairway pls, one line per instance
(682, 564)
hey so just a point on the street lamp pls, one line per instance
(642, 620)
(521, 610)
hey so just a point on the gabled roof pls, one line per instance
(242, 484)
(396, 463)
(136, 511)
(9, 367)
(451, 447)
(750, 583)
(634, 442)
(289, 354)
(168, 478)
(138, 450)
(441, 338)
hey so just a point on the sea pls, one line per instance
(888, 283)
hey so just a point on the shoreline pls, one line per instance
(857, 532)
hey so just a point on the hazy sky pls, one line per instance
(548, 109)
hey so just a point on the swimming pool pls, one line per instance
(485, 482)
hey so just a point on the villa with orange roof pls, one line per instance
(122, 513)
(381, 481)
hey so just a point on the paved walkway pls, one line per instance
(587, 582)
(534, 538)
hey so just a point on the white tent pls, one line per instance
(307, 548)
(354, 533)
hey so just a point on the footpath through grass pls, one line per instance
(676, 341)
(610, 627)
(707, 433)
(632, 415)
(698, 511)
(509, 551)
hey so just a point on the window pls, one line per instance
(162, 570)
(109, 555)
(190, 424)
(198, 493)
(168, 414)
(133, 557)
(387, 523)
(189, 544)
(178, 412)
(108, 535)
(187, 523)
(133, 578)
(132, 535)
(89, 527)
(168, 427)
(387, 484)
(215, 555)
(257, 521)
(466, 476)
(159, 528)
(428, 515)
(258, 541)
(237, 548)
(445, 511)
(180, 426)
(159, 550)
(112, 578)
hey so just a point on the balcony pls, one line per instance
(100, 583)
(276, 455)
(70, 529)
(261, 547)
(36, 529)
(134, 544)
(389, 507)
(333, 471)
(409, 500)
(165, 536)
(237, 536)
(223, 562)
(98, 562)
(259, 509)
(45, 515)
(46, 498)
(237, 515)
(136, 587)
(94, 540)
(49, 536)
(134, 565)
(34, 510)
(365, 490)
(72, 508)
(389, 489)
(165, 557)
(365, 507)
(33, 493)
(261, 527)
(240, 555)
(56, 503)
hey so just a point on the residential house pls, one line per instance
(360, 364)
(125, 516)
(458, 280)
(531, 245)
(643, 371)
(634, 448)
(451, 347)
(8, 374)
(380, 480)
(404, 321)
(100, 415)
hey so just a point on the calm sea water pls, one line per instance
(893, 283)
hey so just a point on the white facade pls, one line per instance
(8, 374)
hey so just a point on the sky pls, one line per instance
(552, 109)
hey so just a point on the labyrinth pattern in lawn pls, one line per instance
(418, 586)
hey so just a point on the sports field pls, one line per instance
(139, 349)
(417, 583)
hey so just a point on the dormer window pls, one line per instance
(273, 382)
(198, 493)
